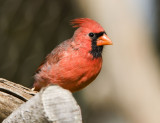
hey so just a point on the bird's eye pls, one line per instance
(91, 34)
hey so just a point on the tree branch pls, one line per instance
(51, 104)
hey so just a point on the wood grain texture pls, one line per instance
(52, 104)
(12, 95)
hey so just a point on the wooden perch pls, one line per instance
(12, 95)
(51, 104)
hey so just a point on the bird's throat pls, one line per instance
(96, 51)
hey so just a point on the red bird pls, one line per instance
(76, 62)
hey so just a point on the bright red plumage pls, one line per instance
(76, 62)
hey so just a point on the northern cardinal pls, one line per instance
(76, 62)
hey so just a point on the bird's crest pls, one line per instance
(79, 22)
(87, 23)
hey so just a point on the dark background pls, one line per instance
(29, 30)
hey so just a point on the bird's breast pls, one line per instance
(74, 73)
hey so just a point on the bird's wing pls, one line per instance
(55, 56)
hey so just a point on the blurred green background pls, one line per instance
(30, 29)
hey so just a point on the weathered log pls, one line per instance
(12, 95)
(51, 104)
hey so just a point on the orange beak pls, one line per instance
(104, 40)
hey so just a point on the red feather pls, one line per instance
(86, 23)
(71, 64)
(80, 22)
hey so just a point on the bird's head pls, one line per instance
(91, 35)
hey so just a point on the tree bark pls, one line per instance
(51, 104)
(12, 95)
